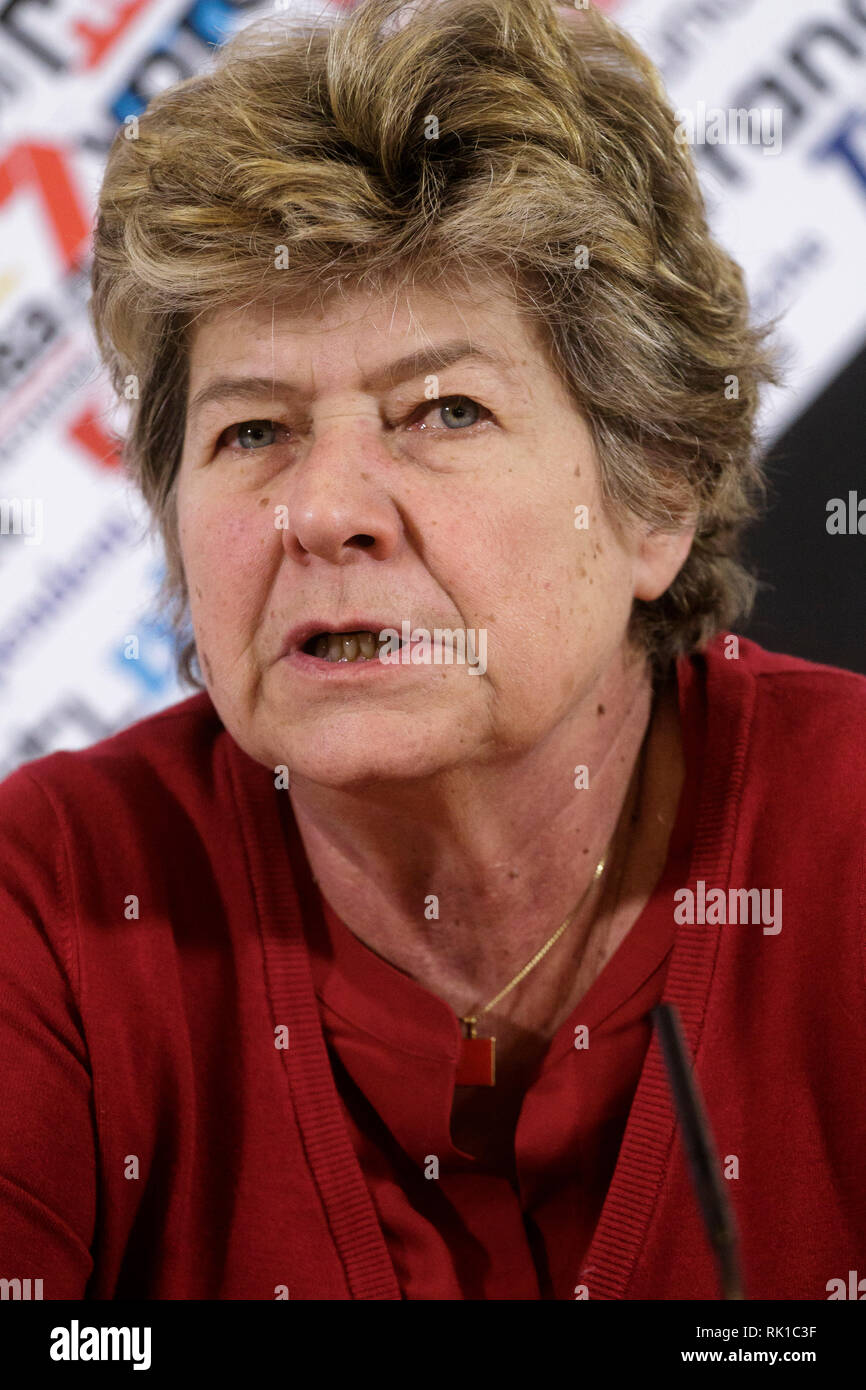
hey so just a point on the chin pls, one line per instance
(353, 751)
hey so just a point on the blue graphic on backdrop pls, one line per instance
(206, 24)
(148, 653)
(842, 145)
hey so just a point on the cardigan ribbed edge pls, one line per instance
(332, 1160)
(645, 1152)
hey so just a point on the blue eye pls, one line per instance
(256, 434)
(455, 412)
(458, 412)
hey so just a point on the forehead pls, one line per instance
(359, 334)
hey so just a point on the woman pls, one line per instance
(335, 980)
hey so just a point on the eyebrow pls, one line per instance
(392, 374)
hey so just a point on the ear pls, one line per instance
(659, 557)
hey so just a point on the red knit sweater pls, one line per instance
(160, 930)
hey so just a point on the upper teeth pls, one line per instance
(347, 646)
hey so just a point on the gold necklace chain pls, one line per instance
(471, 1019)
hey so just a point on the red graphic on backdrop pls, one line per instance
(88, 431)
(43, 170)
(99, 41)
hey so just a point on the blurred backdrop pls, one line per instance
(82, 649)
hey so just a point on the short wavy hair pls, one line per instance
(551, 137)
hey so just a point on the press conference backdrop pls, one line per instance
(786, 187)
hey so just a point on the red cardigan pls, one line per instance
(161, 931)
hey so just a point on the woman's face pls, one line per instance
(357, 500)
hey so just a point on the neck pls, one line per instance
(506, 846)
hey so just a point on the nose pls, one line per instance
(339, 501)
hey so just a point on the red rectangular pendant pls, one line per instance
(477, 1063)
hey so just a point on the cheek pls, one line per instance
(605, 586)
(582, 592)
(222, 540)
(227, 551)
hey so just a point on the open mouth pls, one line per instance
(345, 646)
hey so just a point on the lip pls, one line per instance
(306, 665)
(294, 643)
